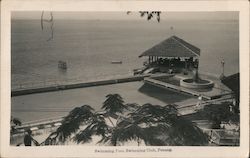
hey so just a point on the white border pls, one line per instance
(80, 151)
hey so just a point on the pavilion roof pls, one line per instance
(173, 47)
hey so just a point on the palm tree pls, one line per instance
(113, 106)
(185, 132)
(157, 125)
(79, 116)
(127, 130)
(139, 126)
(217, 113)
(94, 123)
(153, 124)
(97, 126)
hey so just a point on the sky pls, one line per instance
(125, 16)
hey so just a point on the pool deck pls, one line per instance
(172, 82)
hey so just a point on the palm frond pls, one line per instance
(152, 123)
(17, 121)
(132, 107)
(151, 114)
(99, 126)
(105, 139)
(71, 123)
(184, 132)
(152, 136)
(96, 126)
(125, 131)
(84, 136)
(113, 104)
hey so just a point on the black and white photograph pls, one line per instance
(125, 78)
(126, 81)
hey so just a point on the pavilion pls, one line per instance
(173, 52)
(176, 56)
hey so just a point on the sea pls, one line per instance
(89, 46)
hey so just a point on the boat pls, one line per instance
(116, 62)
(62, 65)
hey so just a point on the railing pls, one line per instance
(223, 137)
(38, 127)
(38, 124)
(192, 108)
(18, 138)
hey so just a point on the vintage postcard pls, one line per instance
(124, 79)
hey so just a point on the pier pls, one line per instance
(65, 86)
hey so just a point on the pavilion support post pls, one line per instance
(186, 67)
(197, 63)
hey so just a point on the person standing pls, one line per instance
(199, 103)
(28, 139)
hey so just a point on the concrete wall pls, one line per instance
(210, 84)
(77, 85)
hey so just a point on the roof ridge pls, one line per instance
(172, 47)
(174, 37)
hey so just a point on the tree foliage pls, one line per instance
(72, 122)
(113, 105)
(151, 124)
(157, 125)
(218, 113)
(14, 123)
